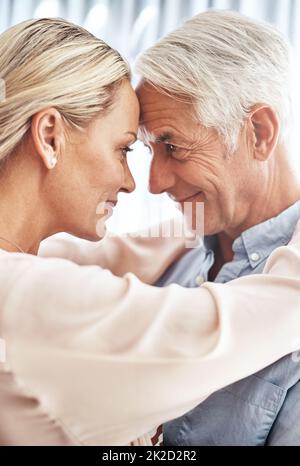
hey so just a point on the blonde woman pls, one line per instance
(93, 356)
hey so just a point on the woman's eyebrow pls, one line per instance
(132, 134)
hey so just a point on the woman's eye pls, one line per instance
(125, 150)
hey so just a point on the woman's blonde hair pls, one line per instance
(51, 62)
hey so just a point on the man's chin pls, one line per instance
(211, 229)
(194, 216)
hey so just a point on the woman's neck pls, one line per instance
(22, 211)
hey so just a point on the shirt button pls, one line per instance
(255, 257)
(199, 280)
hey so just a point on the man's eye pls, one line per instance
(170, 148)
(178, 153)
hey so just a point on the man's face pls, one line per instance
(191, 164)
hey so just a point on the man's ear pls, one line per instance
(46, 131)
(265, 127)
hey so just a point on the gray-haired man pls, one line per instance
(215, 113)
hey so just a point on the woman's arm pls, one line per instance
(112, 357)
(144, 255)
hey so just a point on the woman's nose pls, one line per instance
(129, 183)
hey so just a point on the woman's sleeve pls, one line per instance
(147, 254)
(112, 357)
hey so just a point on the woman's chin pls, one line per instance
(100, 230)
(94, 234)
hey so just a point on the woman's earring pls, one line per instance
(52, 161)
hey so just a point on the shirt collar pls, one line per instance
(259, 241)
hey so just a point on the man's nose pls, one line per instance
(129, 183)
(161, 177)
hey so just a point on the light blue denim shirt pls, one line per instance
(263, 409)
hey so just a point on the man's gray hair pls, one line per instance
(224, 63)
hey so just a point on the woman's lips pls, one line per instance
(113, 203)
(190, 198)
(109, 207)
(105, 208)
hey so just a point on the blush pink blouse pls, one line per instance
(94, 355)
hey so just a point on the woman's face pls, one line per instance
(93, 168)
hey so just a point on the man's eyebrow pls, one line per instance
(164, 137)
(132, 134)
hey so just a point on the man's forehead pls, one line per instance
(162, 117)
(144, 87)
(151, 97)
(156, 118)
(159, 109)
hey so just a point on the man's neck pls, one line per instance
(282, 192)
(223, 253)
(223, 250)
(279, 191)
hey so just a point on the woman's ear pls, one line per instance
(46, 131)
(265, 127)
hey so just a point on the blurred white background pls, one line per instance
(133, 25)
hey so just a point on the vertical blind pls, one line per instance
(131, 25)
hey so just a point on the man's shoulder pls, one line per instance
(296, 236)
